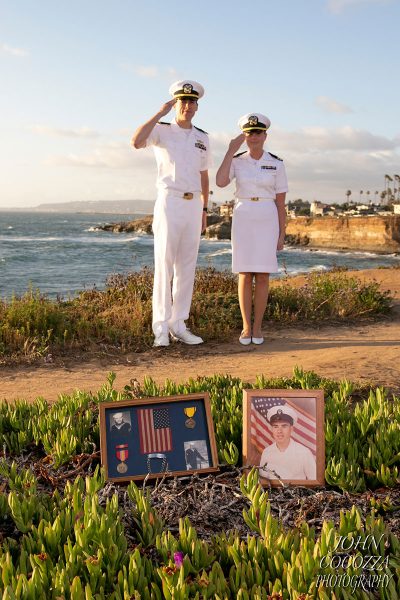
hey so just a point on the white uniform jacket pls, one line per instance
(180, 154)
(296, 462)
(263, 178)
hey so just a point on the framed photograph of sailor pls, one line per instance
(155, 437)
(283, 435)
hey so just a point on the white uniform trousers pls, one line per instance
(177, 230)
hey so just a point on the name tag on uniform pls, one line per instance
(268, 167)
(200, 145)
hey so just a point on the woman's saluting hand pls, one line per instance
(235, 144)
(222, 178)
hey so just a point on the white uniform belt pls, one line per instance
(256, 198)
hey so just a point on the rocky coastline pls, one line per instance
(379, 234)
(218, 228)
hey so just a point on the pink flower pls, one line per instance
(178, 558)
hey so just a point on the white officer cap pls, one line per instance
(282, 413)
(186, 89)
(253, 121)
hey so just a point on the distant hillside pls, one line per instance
(99, 206)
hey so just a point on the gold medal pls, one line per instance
(190, 411)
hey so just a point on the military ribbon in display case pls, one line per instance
(122, 455)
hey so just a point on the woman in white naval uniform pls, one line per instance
(183, 157)
(258, 224)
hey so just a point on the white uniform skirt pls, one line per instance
(255, 232)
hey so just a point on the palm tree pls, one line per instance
(387, 179)
(368, 193)
(383, 196)
(376, 195)
(361, 193)
(348, 194)
(397, 178)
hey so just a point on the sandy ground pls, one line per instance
(367, 352)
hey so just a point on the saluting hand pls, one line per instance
(164, 110)
(235, 144)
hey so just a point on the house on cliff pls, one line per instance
(226, 210)
(318, 209)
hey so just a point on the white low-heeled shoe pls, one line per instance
(257, 341)
(245, 341)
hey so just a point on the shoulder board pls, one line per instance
(275, 156)
(163, 123)
(198, 129)
(240, 154)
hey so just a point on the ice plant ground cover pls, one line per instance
(67, 533)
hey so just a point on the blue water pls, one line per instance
(61, 254)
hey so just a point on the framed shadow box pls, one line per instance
(283, 435)
(154, 437)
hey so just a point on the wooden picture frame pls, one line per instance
(157, 437)
(283, 435)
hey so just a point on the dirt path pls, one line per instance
(368, 352)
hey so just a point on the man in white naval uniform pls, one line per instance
(180, 214)
(285, 458)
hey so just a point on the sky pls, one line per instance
(78, 77)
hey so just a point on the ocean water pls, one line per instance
(61, 254)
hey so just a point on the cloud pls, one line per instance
(81, 132)
(310, 140)
(126, 132)
(171, 73)
(151, 71)
(332, 106)
(20, 52)
(338, 6)
(323, 139)
(322, 163)
(327, 178)
(113, 155)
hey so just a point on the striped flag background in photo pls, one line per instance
(304, 431)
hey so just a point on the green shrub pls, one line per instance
(120, 316)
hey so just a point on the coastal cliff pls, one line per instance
(371, 234)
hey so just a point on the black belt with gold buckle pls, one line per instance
(188, 196)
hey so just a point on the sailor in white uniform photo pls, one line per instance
(286, 458)
(258, 224)
(180, 214)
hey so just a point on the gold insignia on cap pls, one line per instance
(188, 88)
(253, 120)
